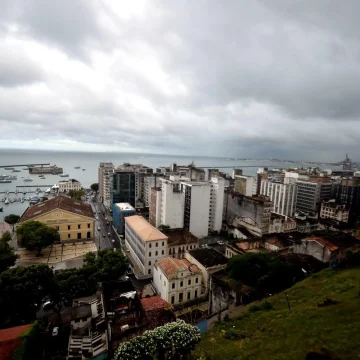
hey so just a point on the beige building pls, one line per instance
(145, 243)
(105, 171)
(177, 280)
(73, 219)
(331, 210)
(67, 185)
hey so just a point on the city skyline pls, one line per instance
(256, 80)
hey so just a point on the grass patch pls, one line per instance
(284, 334)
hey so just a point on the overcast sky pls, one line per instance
(265, 78)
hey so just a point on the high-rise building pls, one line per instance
(245, 185)
(348, 193)
(283, 196)
(120, 212)
(123, 187)
(311, 193)
(104, 179)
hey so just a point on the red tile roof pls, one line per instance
(59, 202)
(323, 242)
(171, 266)
(154, 303)
(9, 340)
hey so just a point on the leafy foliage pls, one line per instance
(178, 337)
(7, 255)
(22, 289)
(263, 273)
(94, 187)
(12, 219)
(35, 235)
(76, 194)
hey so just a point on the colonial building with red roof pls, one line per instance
(157, 311)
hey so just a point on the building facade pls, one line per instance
(282, 196)
(177, 280)
(67, 185)
(73, 219)
(123, 187)
(331, 210)
(145, 243)
(245, 185)
(120, 212)
(104, 179)
(348, 193)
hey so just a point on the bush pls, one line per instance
(234, 335)
(226, 317)
(254, 308)
(267, 305)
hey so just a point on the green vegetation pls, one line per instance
(7, 255)
(12, 219)
(35, 235)
(76, 194)
(263, 331)
(94, 187)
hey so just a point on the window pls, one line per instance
(173, 285)
(150, 245)
(196, 280)
(156, 253)
(149, 271)
(164, 283)
(172, 299)
(169, 251)
(195, 295)
(88, 226)
(181, 283)
(69, 236)
(149, 253)
(180, 297)
(79, 226)
(189, 295)
(162, 244)
(189, 282)
(88, 235)
(69, 226)
(150, 263)
(156, 244)
(162, 252)
(79, 235)
(57, 228)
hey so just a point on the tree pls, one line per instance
(94, 187)
(35, 235)
(7, 255)
(107, 265)
(12, 219)
(76, 194)
(176, 339)
(22, 290)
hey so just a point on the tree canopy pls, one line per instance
(94, 187)
(35, 235)
(76, 194)
(12, 219)
(7, 255)
(23, 288)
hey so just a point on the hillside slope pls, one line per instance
(282, 334)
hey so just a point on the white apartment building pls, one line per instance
(331, 210)
(245, 185)
(177, 280)
(216, 203)
(283, 196)
(145, 243)
(149, 183)
(70, 184)
(105, 171)
(172, 203)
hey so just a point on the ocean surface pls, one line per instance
(90, 162)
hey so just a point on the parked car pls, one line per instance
(55, 331)
(113, 241)
(220, 242)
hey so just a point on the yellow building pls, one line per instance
(72, 218)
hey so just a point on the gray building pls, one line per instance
(311, 194)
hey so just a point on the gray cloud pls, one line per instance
(266, 78)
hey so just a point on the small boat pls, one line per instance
(11, 177)
(22, 200)
(83, 169)
(16, 170)
(48, 190)
(25, 168)
(3, 181)
(24, 192)
(1, 209)
(9, 168)
(28, 179)
(64, 175)
(6, 201)
(77, 167)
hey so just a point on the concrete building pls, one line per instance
(253, 212)
(216, 203)
(280, 224)
(73, 219)
(282, 196)
(348, 193)
(245, 185)
(67, 185)
(145, 243)
(177, 280)
(311, 193)
(208, 261)
(155, 207)
(180, 241)
(120, 212)
(123, 187)
(150, 181)
(332, 210)
(104, 179)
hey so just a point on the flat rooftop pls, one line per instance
(145, 230)
(208, 257)
(124, 206)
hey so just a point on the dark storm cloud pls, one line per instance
(266, 78)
